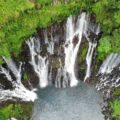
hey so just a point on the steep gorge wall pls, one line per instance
(52, 42)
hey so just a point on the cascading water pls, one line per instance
(72, 103)
(50, 47)
(18, 91)
(71, 48)
(89, 29)
(39, 63)
(74, 32)
(110, 63)
(65, 55)
(53, 56)
(91, 49)
(109, 77)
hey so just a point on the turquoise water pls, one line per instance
(77, 103)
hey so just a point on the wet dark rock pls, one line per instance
(57, 34)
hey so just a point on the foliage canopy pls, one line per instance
(20, 19)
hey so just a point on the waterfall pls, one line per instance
(50, 44)
(110, 63)
(18, 91)
(58, 83)
(89, 29)
(53, 56)
(71, 49)
(89, 56)
(73, 32)
(39, 63)
(108, 75)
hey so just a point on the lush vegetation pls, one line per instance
(108, 15)
(19, 111)
(10, 111)
(115, 105)
(17, 28)
(20, 19)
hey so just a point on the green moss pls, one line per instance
(83, 53)
(10, 110)
(115, 105)
(115, 40)
(18, 111)
(25, 76)
(116, 92)
(26, 110)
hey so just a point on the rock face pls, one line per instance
(58, 46)
(52, 56)
(18, 90)
(109, 74)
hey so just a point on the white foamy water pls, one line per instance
(109, 77)
(19, 91)
(39, 63)
(71, 48)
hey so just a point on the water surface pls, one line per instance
(78, 103)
